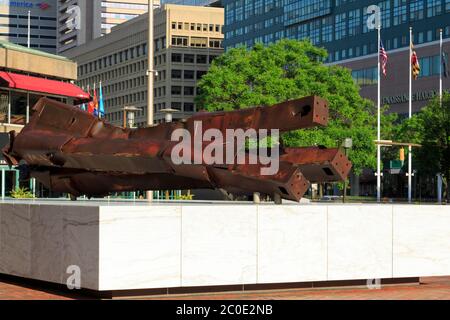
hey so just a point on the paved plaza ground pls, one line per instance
(437, 288)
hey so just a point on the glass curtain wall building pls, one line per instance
(338, 25)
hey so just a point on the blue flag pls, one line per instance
(101, 103)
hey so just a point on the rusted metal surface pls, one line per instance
(71, 151)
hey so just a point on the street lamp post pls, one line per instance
(129, 113)
(169, 114)
(348, 144)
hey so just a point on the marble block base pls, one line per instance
(137, 246)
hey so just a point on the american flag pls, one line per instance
(383, 58)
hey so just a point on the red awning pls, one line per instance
(43, 86)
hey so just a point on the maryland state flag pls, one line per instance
(414, 63)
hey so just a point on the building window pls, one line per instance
(354, 22)
(447, 5)
(176, 90)
(259, 7)
(434, 8)
(188, 91)
(416, 10)
(201, 58)
(189, 74)
(229, 13)
(189, 58)
(199, 42)
(430, 66)
(298, 11)
(365, 77)
(385, 7)
(176, 57)
(215, 43)
(399, 12)
(239, 11)
(188, 107)
(176, 74)
(249, 9)
(179, 41)
(327, 29)
(314, 32)
(341, 27)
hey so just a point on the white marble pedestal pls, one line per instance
(133, 246)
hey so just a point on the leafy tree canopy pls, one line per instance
(431, 128)
(290, 69)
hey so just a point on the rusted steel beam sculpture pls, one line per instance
(71, 151)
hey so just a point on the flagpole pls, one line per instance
(441, 57)
(379, 119)
(441, 69)
(151, 77)
(29, 30)
(100, 89)
(410, 116)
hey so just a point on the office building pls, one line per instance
(187, 39)
(14, 23)
(340, 26)
(80, 21)
(98, 17)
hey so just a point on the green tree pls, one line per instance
(289, 69)
(431, 128)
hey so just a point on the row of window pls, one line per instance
(430, 66)
(357, 51)
(137, 97)
(113, 59)
(178, 74)
(24, 26)
(15, 16)
(390, 44)
(109, 61)
(181, 41)
(185, 90)
(117, 73)
(192, 58)
(243, 9)
(203, 27)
